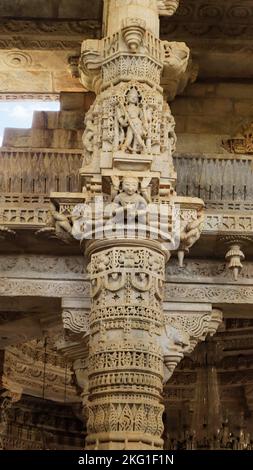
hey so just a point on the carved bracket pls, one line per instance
(183, 330)
(75, 316)
(167, 7)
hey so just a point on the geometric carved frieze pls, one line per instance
(227, 222)
(24, 287)
(176, 394)
(70, 268)
(29, 96)
(214, 293)
(42, 266)
(237, 344)
(243, 324)
(207, 271)
(207, 293)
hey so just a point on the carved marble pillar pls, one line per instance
(125, 354)
(130, 223)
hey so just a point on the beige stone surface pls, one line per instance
(43, 138)
(125, 334)
(197, 142)
(58, 120)
(28, 81)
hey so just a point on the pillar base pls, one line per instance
(123, 441)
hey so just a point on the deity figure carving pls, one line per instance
(134, 123)
(129, 200)
(59, 225)
(61, 222)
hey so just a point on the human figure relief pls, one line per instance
(134, 123)
(61, 221)
(129, 198)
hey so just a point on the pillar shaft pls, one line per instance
(118, 10)
(129, 140)
(125, 358)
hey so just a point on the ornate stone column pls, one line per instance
(125, 355)
(131, 222)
